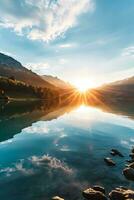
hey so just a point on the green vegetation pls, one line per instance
(13, 89)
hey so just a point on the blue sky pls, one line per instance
(71, 39)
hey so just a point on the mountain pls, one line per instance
(124, 87)
(13, 89)
(127, 81)
(9, 67)
(119, 93)
(57, 82)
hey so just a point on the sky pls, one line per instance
(73, 39)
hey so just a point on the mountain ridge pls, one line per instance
(57, 82)
(10, 67)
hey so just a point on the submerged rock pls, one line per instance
(132, 150)
(131, 155)
(129, 173)
(92, 194)
(130, 161)
(57, 198)
(121, 193)
(115, 152)
(109, 162)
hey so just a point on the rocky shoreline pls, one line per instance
(98, 193)
(120, 193)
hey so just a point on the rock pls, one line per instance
(131, 155)
(92, 194)
(121, 194)
(129, 173)
(99, 188)
(109, 162)
(122, 187)
(57, 198)
(130, 161)
(116, 195)
(115, 152)
(132, 150)
(131, 165)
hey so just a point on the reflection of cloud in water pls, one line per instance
(37, 128)
(51, 162)
(18, 167)
(65, 148)
(42, 127)
(6, 142)
(34, 164)
(128, 143)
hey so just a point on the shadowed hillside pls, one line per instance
(9, 67)
(13, 89)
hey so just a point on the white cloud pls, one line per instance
(43, 20)
(17, 168)
(32, 164)
(67, 45)
(38, 67)
(36, 129)
(52, 162)
(129, 51)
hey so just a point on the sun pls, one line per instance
(83, 85)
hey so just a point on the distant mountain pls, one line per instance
(9, 67)
(57, 82)
(128, 81)
(125, 86)
(116, 93)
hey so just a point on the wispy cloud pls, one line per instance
(43, 20)
(66, 45)
(33, 164)
(52, 162)
(17, 168)
(36, 129)
(38, 67)
(129, 51)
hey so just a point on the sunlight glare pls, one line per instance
(83, 85)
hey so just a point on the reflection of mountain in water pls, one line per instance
(15, 116)
(112, 105)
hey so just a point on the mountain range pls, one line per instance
(11, 68)
(57, 82)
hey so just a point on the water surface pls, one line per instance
(61, 152)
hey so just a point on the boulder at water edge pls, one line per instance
(92, 194)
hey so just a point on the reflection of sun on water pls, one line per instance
(83, 108)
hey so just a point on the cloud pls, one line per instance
(38, 67)
(129, 51)
(34, 164)
(67, 45)
(51, 162)
(36, 129)
(18, 167)
(45, 20)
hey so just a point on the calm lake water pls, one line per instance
(61, 152)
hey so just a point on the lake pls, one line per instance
(61, 151)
